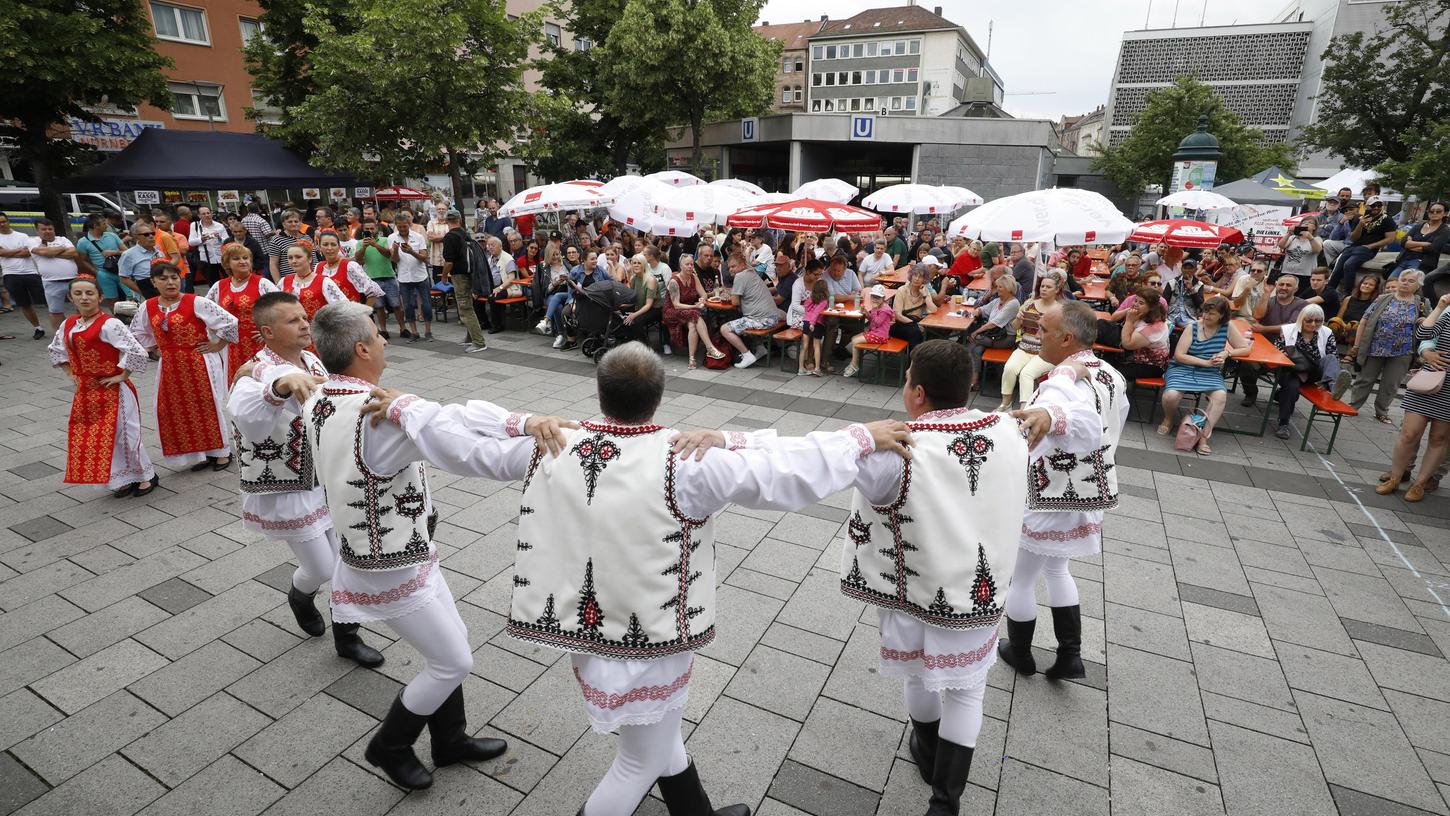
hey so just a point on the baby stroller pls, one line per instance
(598, 321)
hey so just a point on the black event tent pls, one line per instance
(202, 160)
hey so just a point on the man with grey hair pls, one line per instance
(632, 602)
(378, 496)
(1072, 424)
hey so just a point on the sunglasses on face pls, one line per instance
(144, 234)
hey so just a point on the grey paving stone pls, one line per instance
(225, 788)
(35, 470)
(37, 657)
(1392, 637)
(708, 679)
(1330, 675)
(78, 685)
(242, 565)
(1373, 756)
(35, 618)
(365, 690)
(1423, 720)
(175, 595)
(811, 791)
(82, 739)
(1301, 618)
(261, 640)
(567, 785)
(278, 577)
(1144, 789)
(733, 730)
(18, 786)
(818, 606)
(194, 678)
(102, 628)
(109, 587)
(505, 668)
(1407, 671)
(1235, 674)
(800, 642)
(1147, 631)
(282, 684)
(210, 619)
(1026, 789)
(22, 714)
(1062, 727)
(464, 791)
(1272, 557)
(778, 681)
(534, 714)
(781, 559)
(857, 680)
(305, 739)
(1142, 584)
(1365, 597)
(1155, 693)
(1163, 752)
(200, 735)
(41, 528)
(1211, 567)
(1291, 782)
(1218, 598)
(111, 787)
(758, 582)
(40, 582)
(736, 633)
(1357, 803)
(847, 742)
(340, 787)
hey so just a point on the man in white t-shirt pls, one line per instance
(55, 260)
(875, 263)
(22, 279)
(408, 246)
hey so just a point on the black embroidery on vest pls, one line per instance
(377, 510)
(549, 621)
(595, 453)
(681, 568)
(971, 450)
(634, 636)
(322, 410)
(591, 616)
(939, 605)
(984, 587)
(859, 529)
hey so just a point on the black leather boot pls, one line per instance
(308, 618)
(949, 778)
(1016, 650)
(391, 748)
(449, 729)
(1067, 624)
(350, 646)
(685, 796)
(922, 744)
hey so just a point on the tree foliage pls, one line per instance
(280, 61)
(61, 57)
(683, 62)
(1382, 96)
(1146, 156)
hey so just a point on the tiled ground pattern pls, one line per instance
(1265, 636)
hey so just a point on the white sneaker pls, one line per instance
(472, 349)
(747, 361)
(851, 371)
(543, 327)
(668, 350)
(559, 341)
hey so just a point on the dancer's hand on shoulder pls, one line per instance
(296, 384)
(696, 442)
(549, 432)
(244, 372)
(1034, 423)
(380, 400)
(891, 435)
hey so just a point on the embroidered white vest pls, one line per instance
(943, 550)
(607, 563)
(281, 461)
(382, 522)
(1066, 482)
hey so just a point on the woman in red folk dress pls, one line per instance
(312, 288)
(191, 385)
(344, 271)
(237, 293)
(103, 447)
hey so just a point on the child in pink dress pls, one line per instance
(813, 328)
(878, 327)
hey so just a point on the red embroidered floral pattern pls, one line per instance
(1059, 419)
(735, 440)
(863, 438)
(397, 593)
(1081, 531)
(395, 412)
(600, 698)
(287, 524)
(958, 660)
(513, 424)
(976, 425)
(621, 428)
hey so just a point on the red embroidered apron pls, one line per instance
(95, 409)
(186, 415)
(311, 296)
(239, 305)
(339, 277)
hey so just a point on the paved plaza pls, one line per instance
(1265, 635)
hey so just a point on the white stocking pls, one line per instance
(1061, 589)
(643, 754)
(961, 715)
(439, 634)
(316, 557)
(922, 705)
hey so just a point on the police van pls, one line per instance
(22, 204)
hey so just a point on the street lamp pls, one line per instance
(1196, 160)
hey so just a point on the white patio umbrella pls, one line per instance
(739, 184)
(922, 199)
(1355, 179)
(962, 194)
(619, 185)
(704, 203)
(1062, 215)
(826, 189)
(635, 207)
(678, 178)
(679, 229)
(1197, 200)
(556, 197)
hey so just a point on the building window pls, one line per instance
(583, 44)
(900, 47)
(830, 52)
(858, 50)
(910, 74)
(855, 104)
(554, 33)
(830, 105)
(818, 52)
(180, 23)
(265, 112)
(815, 80)
(250, 29)
(785, 67)
(898, 75)
(830, 79)
(841, 78)
(871, 49)
(799, 94)
(870, 77)
(197, 100)
(886, 49)
(815, 106)
(869, 103)
(785, 95)
(800, 65)
(896, 103)
(914, 47)
(911, 103)
(855, 77)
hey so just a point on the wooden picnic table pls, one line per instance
(895, 277)
(949, 317)
(1094, 289)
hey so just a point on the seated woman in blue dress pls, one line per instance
(1197, 366)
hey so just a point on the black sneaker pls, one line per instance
(39, 334)
(404, 334)
(384, 334)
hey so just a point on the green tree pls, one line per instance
(280, 61)
(684, 62)
(61, 57)
(1146, 156)
(1382, 95)
(418, 83)
(1427, 172)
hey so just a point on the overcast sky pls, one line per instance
(1062, 53)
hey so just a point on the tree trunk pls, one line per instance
(455, 175)
(621, 157)
(34, 146)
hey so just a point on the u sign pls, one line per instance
(749, 127)
(863, 128)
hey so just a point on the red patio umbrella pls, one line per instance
(400, 194)
(807, 215)
(1185, 233)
